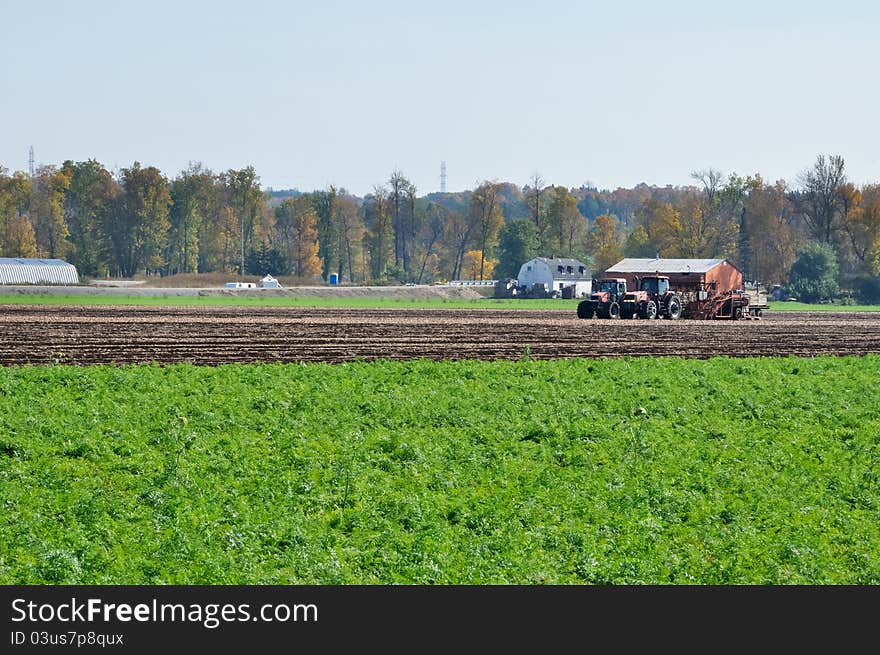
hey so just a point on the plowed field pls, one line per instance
(216, 335)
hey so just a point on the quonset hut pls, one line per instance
(37, 271)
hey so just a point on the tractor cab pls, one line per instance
(656, 285)
(609, 289)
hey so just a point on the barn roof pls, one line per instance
(15, 270)
(635, 265)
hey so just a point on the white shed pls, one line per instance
(556, 273)
(15, 270)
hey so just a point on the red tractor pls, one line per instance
(654, 299)
(605, 301)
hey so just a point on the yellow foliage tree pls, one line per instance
(20, 239)
(473, 262)
(605, 242)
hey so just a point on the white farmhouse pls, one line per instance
(556, 274)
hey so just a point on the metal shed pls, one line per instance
(37, 271)
(683, 273)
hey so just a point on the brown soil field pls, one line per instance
(41, 334)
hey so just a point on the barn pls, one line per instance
(37, 271)
(682, 273)
(556, 274)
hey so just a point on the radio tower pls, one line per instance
(31, 161)
(442, 177)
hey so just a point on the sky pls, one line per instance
(311, 94)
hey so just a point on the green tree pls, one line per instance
(325, 204)
(814, 273)
(138, 229)
(638, 244)
(518, 243)
(379, 238)
(247, 200)
(194, 197)
(89, 203)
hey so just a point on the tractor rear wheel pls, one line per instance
(627, 310)
(673, 308)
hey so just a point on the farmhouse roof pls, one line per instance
(559, 267)
(655, 265)
(561, 261)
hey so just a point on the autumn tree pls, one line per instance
(661, 223)
(15, 193)
(476, 265)
(459, 233)
(48, 187)
(487, 218)
(771, 237)
(296, 223)
(350, 234)
(604, 242)
(565, 226)
(429, 240)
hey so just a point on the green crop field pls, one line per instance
(805, 307)
(365, 302)
(631, 471)
(276, 301)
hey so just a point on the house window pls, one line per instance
(581, 270)
(528, 268)
(561, 285)
(570, 270)
(559, 268)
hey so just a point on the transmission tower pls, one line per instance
(31, 161)
(442, 177)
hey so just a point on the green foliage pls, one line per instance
(814, 273)
(518, 243)
(265, 260)
(628, 471)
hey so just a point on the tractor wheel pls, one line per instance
(648, 310)
(614, 310)
(627, 311)
(586, 309)
(738, 313)
(673, 308)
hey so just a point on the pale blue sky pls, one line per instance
(342, 93)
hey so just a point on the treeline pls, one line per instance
(139, 221)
